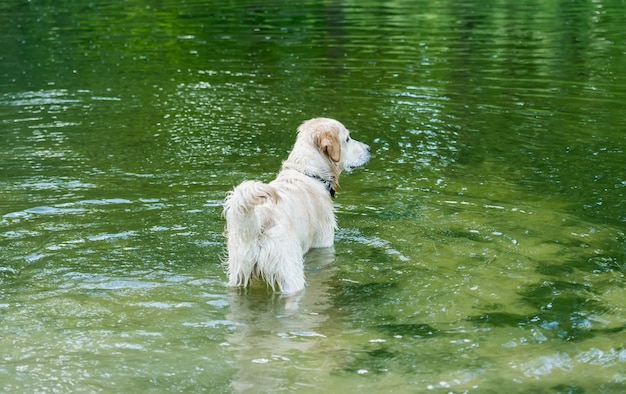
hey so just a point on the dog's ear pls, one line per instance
(329, 144)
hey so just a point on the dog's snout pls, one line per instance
(369, 150)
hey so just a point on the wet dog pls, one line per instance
(270, 226)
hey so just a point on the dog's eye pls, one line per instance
(348, 139)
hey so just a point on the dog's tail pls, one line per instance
(247, 215)
(240, 208)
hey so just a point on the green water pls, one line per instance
(482, 249)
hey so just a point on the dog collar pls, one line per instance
(326, 183)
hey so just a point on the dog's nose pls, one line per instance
(368, 148)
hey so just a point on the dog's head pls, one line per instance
(333, 142)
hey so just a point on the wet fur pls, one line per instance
(269, 227)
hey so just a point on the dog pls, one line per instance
(271, 226)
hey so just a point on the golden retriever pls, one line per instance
(270, 226)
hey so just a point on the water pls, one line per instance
(481, 250)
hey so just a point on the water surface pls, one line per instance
(482, 249)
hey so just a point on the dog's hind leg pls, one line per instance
(242, 257)
(281, 262)
(293, 281)
(291, 273)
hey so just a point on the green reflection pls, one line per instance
(482, 249)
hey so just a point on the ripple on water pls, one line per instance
(458, 266)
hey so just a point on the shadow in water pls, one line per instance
(275, 329)
(564, 310)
